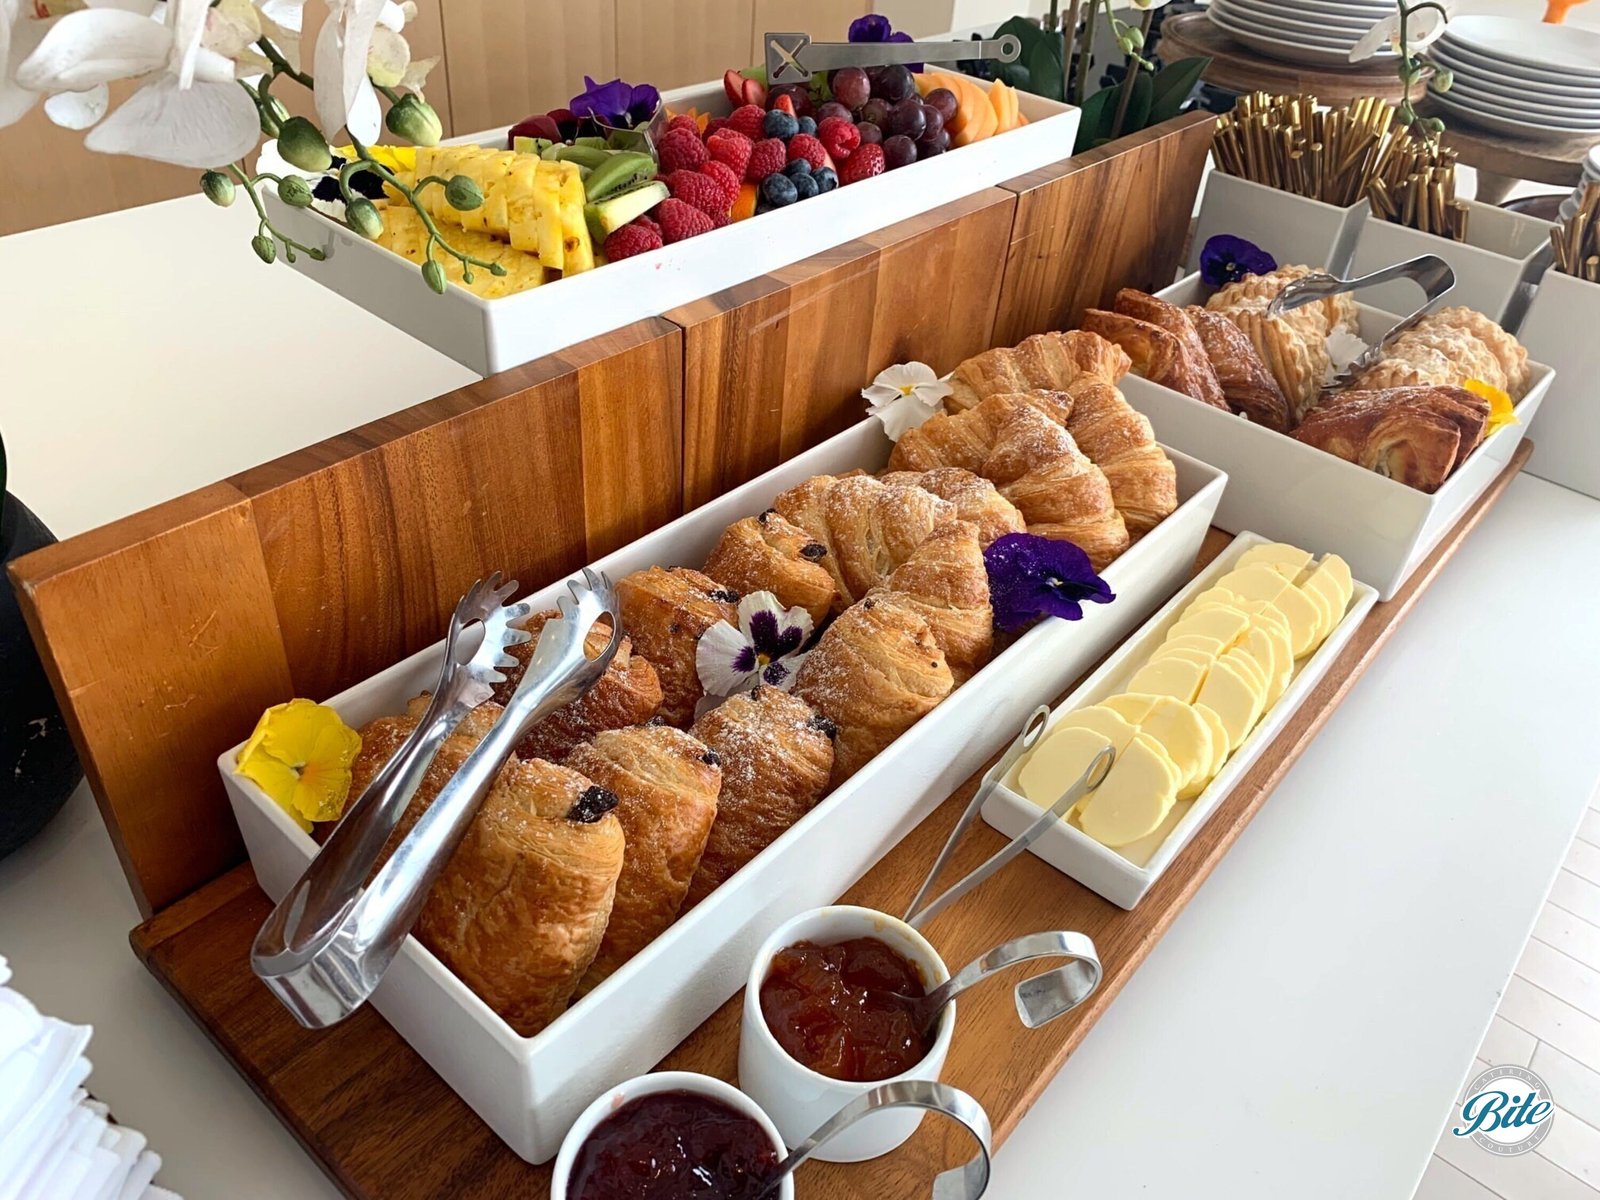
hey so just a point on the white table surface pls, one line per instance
(1300, 1031)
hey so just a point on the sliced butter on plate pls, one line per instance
(1058, 761)
(1263, 583)
(1283, 558)
(1135, 797)
(1169, 676)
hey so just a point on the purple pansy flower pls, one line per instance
(1032, 577)
(1227, 259)
(619, 104)
(874, 27)
(766, 647)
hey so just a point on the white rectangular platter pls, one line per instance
(1292, 492)
(1120, 879)
(493, 335)
(529, 1090)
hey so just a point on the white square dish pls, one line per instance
(529, 1090)
(1291, 228)
(1560, 330)
(493, 335)
(1292, 492)
(1103, 870)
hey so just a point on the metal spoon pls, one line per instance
(1040, 999)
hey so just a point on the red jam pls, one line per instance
(673, 1146)
(830, 1009)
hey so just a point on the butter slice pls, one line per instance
(1107, 722)
(1135, 797)
(1258, 582)
(1186, 738)
(1254, 669)
(1169, 676)
(1219, 740)
(1057, 762)
(1230, 694)
(1192, 641)
(1132, 707)
(1283, 558)
(1200, 658)
(1265, 647)
(1226, 625)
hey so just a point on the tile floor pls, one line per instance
(1549, 1019)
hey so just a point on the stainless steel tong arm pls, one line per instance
(795, 58)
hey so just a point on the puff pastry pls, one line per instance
(664, 611)
(1416, 436)
(1449, 348)
(1120, 441)
(947, 584)
(769, 554)
(1161, 341)
(1247, 385)
(976, 499)
(1045, 362)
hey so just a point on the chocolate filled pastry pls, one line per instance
(946, 582)
(666, 783)
(1415, 435)
(665, 610)
(1247, 385)
(768, 554)
(629, 693)
(777, 754)
(875, 672)
(976, 499)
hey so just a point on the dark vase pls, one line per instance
(38, 766)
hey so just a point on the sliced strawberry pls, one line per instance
(733, 85)
(755, 92)
(786, 103)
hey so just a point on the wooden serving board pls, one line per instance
(384, 1126)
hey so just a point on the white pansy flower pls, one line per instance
(904, 396)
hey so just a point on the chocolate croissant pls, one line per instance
(666, 783)
(768, 554)
(946, 583)
(875, 671)
(1247, 385)
(665, 610)
(776, 756)
(1416, 436)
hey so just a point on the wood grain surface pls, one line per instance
(1106, 219)
(776, 365)
(383, 1125)
(166, 634)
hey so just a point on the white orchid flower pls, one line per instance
(904, 396)
(351, 51)
(20, 34)
(1422, 29)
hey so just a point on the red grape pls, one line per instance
(935, 143)
(932, 121)
(876, 111)
(870, 133)
(832, 108)
(906, 118)
(944, 100)
(895, 84)
(899, 151)
(850, 87)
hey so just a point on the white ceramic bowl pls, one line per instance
(648, 1085)
(801, 1099)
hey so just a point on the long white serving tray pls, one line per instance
(1124, 879)
(1292, 492)
(529, 1090)
(493, 335)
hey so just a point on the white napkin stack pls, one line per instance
(55, 1142)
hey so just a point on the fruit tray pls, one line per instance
(493, 335)
(531, 1089)
(1292, 492)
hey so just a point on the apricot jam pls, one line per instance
(673, 1146)
(831, 1009)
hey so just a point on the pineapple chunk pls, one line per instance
(547, 206)
(521, 213)
(577, 249)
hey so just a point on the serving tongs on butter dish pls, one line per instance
(1428, 271)
(327, 944)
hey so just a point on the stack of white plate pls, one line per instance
(1521, 78)
(1591, 174)
(1314, 32)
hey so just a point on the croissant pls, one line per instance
(1162, 342)
(1045, 362)
(666, 783)
(1120, 442)
(1416, 436)
(875, 671)
(665, 610)
(629, 693)
(975, 498)
(946, 583)
(1247, 385)
(768, 554)
(776, 755)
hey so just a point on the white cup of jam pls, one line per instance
(802, 1089)
(658, 1117)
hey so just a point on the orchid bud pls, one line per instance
(218, 188)
(294, 191)
(266, 249)
(362, 216)
(301, 143)
(463, 194)
(412, 118)
(433, 276)
(273, 115)
(1443, 79)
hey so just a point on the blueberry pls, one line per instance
(806, 186)
(797, 168)
(826, 180)
(780, 124)
(778, 189)
(807, 125)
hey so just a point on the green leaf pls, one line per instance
(1138, 115)
(1099, 110)
(1014, 74)
(1173, 85)
(1044, 73)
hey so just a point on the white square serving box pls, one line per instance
(1101, 869)
(493, 335)
(1290, 227)
(1293, 492)
(529, 1090)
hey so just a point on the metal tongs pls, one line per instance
(795, 58)
(327, 944)
(1428, 271)
(1032, 731)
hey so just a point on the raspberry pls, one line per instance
(714, 124)
(726, 177)
(702, 191)
(731, 147)
(680, 149)
(839, 137)
(645, 220)
(748, 119)
(866, 162)
(803, 145)
(718, 220)
(684, 121)
(679, 220)
(768, 156)
(631, 239)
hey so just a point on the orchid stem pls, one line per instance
(411, 192)
(280, 65)
(248, 183)
(1130, 77)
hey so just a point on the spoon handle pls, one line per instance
(1040, 999)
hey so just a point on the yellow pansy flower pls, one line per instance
(1500, 406)
(399, 159)
(300, 755)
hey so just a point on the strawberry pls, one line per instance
(748, 119)
(633, 238)
(731, 147)
(785, 102)
(768, 156)
(803, 145)
(866, 162)
(839, 137)
(683, 121)
(679, 220)
(733, 86)
(680, 149)
(755, 92)
(726, 178)
(702, 191)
